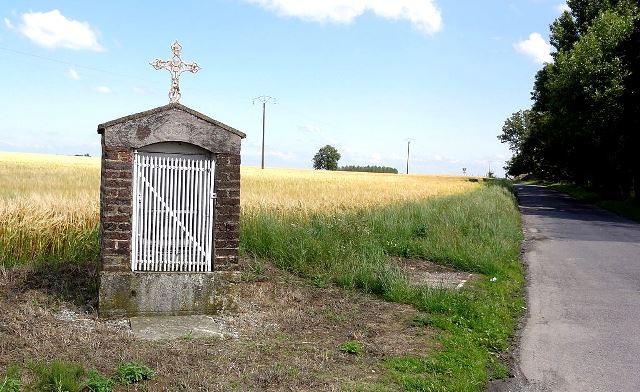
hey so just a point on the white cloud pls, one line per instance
(53, 30)
(73, 74)
(423, 14)
(563, 7)
(8, 24)
(536, 48)
(104, 90)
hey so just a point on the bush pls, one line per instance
(352, 347)
(99, 383)
(131, 372)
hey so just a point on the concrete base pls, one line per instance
(128, 294)
(180, 327)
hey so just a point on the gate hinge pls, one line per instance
(214, 195)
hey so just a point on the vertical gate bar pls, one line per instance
(167, 210)
(156, 212)
(134, 207)
(192, 200)
(202, 215)
(185, 206)
(159, 225)
(163, 213)
(145, 211)
(194, 217)
(176, 209)
(207, 198)
(182, 209)
(190, 214)
(139, 210)
(205, 208)
(150, 212)
(170, 250)
(196, 234)
(167, 221)
(143, 188)
(212, 211)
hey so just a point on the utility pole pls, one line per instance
(264, 99)
(408, 150)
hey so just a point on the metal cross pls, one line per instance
(175, 66)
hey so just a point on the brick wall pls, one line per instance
(115, 208)
(227, 216)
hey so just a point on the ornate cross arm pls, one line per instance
(175, 66)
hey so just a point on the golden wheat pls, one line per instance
(309, 191)
(48, 202)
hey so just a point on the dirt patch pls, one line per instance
(288, 337)
(426, 273)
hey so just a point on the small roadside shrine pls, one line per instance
(169, 209)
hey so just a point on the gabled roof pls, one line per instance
(168, 107)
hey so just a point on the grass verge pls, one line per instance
(478, 231)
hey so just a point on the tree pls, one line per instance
(584, 125)
(326, 158)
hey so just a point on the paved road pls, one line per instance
(582, 331)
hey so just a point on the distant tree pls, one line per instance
(326, 158)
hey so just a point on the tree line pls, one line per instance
(328, 156)
(584, 123)
(369, 169)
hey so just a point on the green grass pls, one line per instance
(61, 376)
(73, 244)
(57, 376)
(132, 372)
(352, 347)
(627, 208)
(479, 231)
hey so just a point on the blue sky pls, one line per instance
(361, 75)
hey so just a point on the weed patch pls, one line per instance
(352, 347)
(132, 372)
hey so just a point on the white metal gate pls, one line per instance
(173, 208)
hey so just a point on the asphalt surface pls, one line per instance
(582, 330)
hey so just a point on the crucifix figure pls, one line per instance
(175, 66)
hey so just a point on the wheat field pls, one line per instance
(49, 204)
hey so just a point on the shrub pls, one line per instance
(132, 372)
(352, 347)
(98, 382)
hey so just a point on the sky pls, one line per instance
(365, 76)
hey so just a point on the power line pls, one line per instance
(37, 56)
(264, 99)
